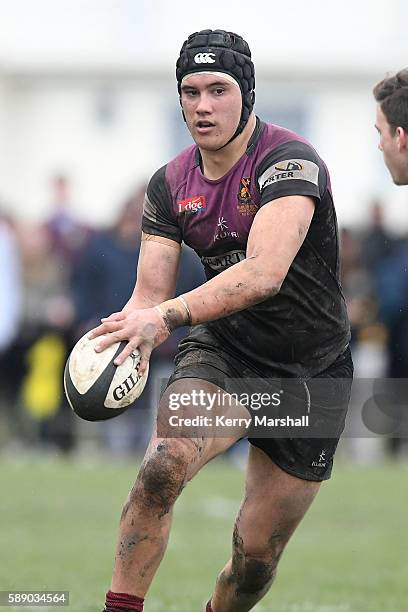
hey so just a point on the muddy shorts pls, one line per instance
(299, 426)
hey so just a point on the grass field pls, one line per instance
(58, 529)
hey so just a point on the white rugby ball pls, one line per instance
(95, 387)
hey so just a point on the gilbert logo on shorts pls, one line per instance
(204, 58)
(195, 204)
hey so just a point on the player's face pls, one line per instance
(212, 108)
(390, 145)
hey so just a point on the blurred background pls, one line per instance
(88, 111)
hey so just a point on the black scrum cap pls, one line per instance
(220, 51)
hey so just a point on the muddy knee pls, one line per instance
(256, 575)
(254, 563)
(161, 477)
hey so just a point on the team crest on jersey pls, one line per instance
(244, 195)
(245, 204)
(196, 204)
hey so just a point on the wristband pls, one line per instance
(188, 311)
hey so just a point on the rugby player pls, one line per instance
(254, 200)
(392, 124)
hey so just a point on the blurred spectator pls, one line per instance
(357, 284)
(377, 242)
(10, 314)
(51, 255)
(10, 279)
(103, 282)
(38, 355)
(46, 282)
(369, 335)
(375, 283)
(68, 236)
(392, 289)
(106, 271)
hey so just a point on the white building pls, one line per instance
(87, 88)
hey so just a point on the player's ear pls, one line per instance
(182, 112)
(402, 138)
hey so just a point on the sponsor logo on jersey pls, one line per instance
(245, 204)
(289, 166)
(223, 230)
(222, 224)
(204, 58)
(223, 261)
(195, 204)
(290, 169)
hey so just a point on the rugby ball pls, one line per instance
(95, 387)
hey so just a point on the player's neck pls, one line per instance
(215, 164)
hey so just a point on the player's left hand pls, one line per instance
(143, 329)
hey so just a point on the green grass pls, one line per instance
(59, 519)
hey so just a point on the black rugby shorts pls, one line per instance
(305, 451)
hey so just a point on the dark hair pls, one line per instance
(392, 94)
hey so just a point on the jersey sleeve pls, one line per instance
(158, 217)
(293, 168)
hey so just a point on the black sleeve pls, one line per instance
(293, 168)
(158, 217)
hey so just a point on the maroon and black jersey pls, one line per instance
(301, 330)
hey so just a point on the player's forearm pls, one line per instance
(156, 272)
(235, 289)
(239, 287)
(143, 299)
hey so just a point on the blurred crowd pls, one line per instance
(374, 265)
(59, 277)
